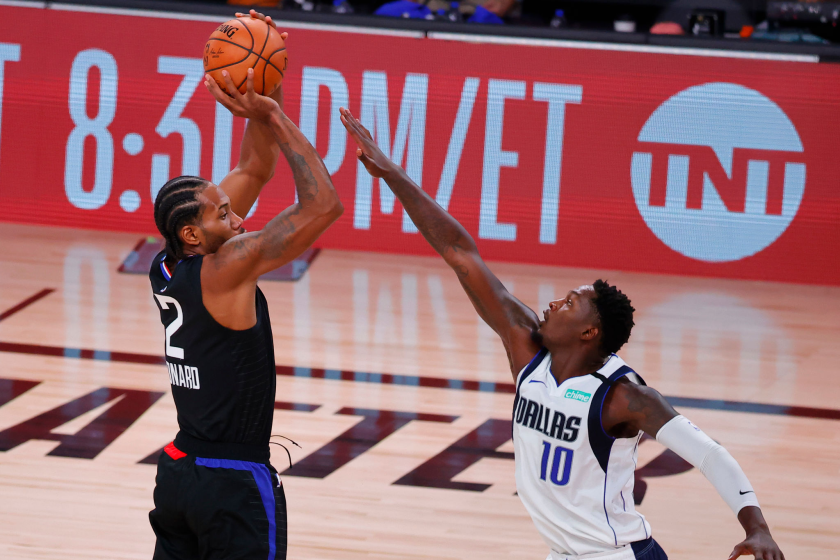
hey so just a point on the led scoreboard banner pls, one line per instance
(688, 162)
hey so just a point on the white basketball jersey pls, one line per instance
(574, 479)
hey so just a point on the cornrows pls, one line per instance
(176, 205)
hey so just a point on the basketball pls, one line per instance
(243, 43)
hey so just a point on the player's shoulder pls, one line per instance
(625, 384)
(158, 271)
(617, 370)
(628, 392)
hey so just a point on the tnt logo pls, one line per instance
(718, 175)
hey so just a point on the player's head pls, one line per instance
(599, 317)
(194, 217)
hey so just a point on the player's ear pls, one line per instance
(590, 334)
(190, 235)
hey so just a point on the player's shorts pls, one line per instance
(648, 549)
(208, 509)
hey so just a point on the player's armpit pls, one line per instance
(629, 407)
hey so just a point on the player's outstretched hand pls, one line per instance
(759, 544)
(374, 160)
(251, 105)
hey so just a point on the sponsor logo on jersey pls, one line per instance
(577, 395)
(719, 172)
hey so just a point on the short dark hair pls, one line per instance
(616, 315)
(177, 205)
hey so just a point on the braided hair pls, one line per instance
(616, 316)
(177, 205)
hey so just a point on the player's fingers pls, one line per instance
(350, 123)
(256, 15)
(284, 35)
(249, 82)
(354, 123)
(270, 22)
(213, 86)
(364, 131)
(232, 90)
(217, 92)
(739, 550)
(353, 133)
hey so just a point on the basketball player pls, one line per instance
(579, 411)
(216, 495)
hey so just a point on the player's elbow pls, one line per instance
(336, 209)
(331, 209)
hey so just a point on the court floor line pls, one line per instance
(26, 303)
(416, 380)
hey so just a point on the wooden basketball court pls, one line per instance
(400, 399)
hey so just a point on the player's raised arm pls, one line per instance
(258, 153)
(245, 257)
(512, 320)
(629, 408)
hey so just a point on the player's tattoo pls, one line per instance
(237, 249)
(307, 185)
(276, 236)
(647, 410)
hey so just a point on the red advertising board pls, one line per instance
(593, 157)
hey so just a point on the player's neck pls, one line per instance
(567, 363)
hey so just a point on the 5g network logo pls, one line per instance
(719, 175)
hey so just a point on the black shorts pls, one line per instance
(648, 549)
(213, 509)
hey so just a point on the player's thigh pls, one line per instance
(174, 538)
(239, 514)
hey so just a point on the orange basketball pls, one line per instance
(244, 43)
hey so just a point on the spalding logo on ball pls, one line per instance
(244, 43)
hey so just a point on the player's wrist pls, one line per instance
(276, 118)
(392, 172)
(752, 521)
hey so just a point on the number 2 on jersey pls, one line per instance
(172, 351)
(559, 453)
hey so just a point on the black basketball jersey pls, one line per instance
(223, 380)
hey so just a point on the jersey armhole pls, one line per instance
(599, 440)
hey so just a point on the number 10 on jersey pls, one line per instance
(559, 454)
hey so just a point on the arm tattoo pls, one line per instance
(275, 238)
(648, 407)
(305, 182)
